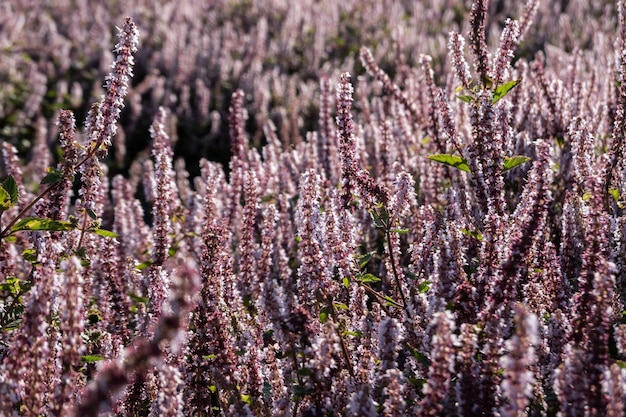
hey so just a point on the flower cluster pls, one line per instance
(438, 234)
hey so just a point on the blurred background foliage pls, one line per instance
(193, 55)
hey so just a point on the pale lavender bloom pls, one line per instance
(572, 235)
(103, 129)
(404, 196)
(583, 144)
(91, 187)
(328, 366)
(60, 195)
(485, 155)
(314, 276)
(239, 161)
(276, 379)
(274, 307)
(478, 43)
(390, 337)
(390, 87)
(441, 352)
(72, 326)
(571, 382)
(136, 360)
(158, 279)
(341, 235)
(394, 392)
(450, 280)
(433, 127)
(41, 158)
(28, 366)
(518, 363)
(128, 221)
(247, 264)
(169, 400)
(361, 403)
(385, 150)
(620, 338)
(614, 387)
(528, 15)
(447, 123)
(165, 195)
(506, 50)
(456, 47)
(347, 142)
(467, 369)
(208, 315)
(327, 143)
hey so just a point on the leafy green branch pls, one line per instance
(382, 220)
(471, 95)
(461, 163)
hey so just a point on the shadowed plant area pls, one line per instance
(356, 208)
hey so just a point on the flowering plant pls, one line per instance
(436, 235)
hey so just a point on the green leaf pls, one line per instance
(384, 215)
(365, 278)
(410, 275)
(143, 265)
(13, 325)
(466, 98)
(340, 306)
(10, 186)
(5, 200)
(452, 160)
(30, 255)
(476, 235)
(417, 382)
(35, 223)
(12, 286)
(400, 231)
(351, 333)
(380, 217)
(421, 358)
(346, 282)
(560, 141)
(92, 214)
(503, 90)
(614, 192)
(423, 287)
(511, 162)
(52, 177)
(137, 298)
(267, 390)
(364, 259)
(91, 358)
(270, 198)
(324, 314)
(391, 302)
(105, 233)
(376, 219)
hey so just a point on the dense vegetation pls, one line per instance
(363, 208)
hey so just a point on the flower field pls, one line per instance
(275, 208)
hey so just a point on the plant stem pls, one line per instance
(392, 259)
(344, 348)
